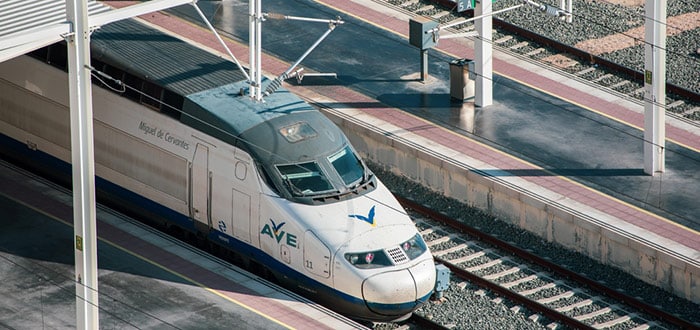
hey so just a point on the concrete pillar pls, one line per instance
(483, 53)
(655, 87)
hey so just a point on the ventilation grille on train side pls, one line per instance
(397, 255)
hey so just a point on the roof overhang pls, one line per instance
(26, 25)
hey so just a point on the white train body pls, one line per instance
(353, 249)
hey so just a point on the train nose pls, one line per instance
(400, 292)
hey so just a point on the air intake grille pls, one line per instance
(397, 255)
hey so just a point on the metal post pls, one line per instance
(255, 16)
(423, 65)
(654, 86)
(483, 51)
(85, 243)
(258, 48)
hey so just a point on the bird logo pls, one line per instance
(369, 218)
(275, 227)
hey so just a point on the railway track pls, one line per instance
(553, 295)
(682, 102)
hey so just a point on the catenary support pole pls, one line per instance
(654, 87)
(255, 45)
(483, 53)
(82, 150)
(423, 65)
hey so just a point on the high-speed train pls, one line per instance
(180, 143)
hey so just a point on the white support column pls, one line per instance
(258, 48)
(84, 219)
(255, 47)
(251, 47)
(654, 87)
(483, 51)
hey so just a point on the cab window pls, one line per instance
(304, 178)
(348, 166)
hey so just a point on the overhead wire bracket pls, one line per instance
(277, 82)
(552, 10)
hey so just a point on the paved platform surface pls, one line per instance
(146, 279)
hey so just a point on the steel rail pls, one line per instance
(617, 295)
(423, 322)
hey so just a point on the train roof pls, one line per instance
(210, 85)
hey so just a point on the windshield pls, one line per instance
(347, 165)
(304, 178)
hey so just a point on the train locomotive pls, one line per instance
(276, 182)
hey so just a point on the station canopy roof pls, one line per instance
(26, 25)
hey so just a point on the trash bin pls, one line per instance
(461, 79)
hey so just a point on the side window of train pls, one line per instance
(241, 170)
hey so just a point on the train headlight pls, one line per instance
(366, 260)
(414, 247)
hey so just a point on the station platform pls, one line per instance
(146, 279)
(553, 155)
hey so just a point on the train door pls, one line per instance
(199, 185)
(245, 199)
(241, 215)
(317, 256)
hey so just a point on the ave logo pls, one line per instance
(275, 232)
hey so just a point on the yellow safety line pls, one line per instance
(521, 160)
(214, 291)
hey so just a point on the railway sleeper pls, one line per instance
(593, 314)
(560, 296)
(519, 45)
(537, 289)
(503, 273)
(612, 323)
(603, 77)
(585, 71)
(486, 265)
(503, 40)
(519, 281)
(468, 257)
(619, 84)
(571, 307)
(409, 3)
(535, 52)
(440, 240)
(440, 253)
